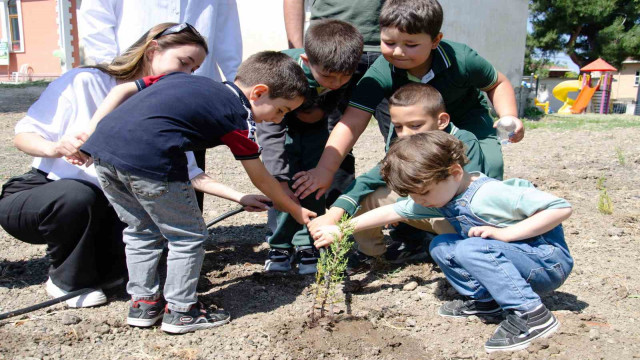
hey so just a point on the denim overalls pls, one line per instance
(511, 273)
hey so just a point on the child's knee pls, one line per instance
(443, 246)
(471, 250)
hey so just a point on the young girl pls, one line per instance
(508, 246)
(60, 204)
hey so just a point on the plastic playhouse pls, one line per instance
(598, 95)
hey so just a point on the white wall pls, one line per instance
(495, 28)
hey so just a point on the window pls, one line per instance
(15, 28)
(636, 81)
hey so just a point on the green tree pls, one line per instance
(586, 29)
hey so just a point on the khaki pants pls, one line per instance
(371, 241)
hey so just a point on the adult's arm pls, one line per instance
(227, 45)
(97, 22)
(294, 22)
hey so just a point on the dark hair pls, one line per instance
(279, 72)
(412, 16)
(417, 161)
(333, 45)
(131, 64)
(419, 94)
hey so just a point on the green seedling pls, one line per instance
(620, 154)
(605, 205)
(600, 183)
(331, 269)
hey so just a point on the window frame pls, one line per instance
(18, 17)
(636, 79)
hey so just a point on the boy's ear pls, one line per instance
(456, 171)
(258, 91)
(305, 59)
(436, 41)
(443, 120)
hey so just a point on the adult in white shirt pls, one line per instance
(62, 205)
(108, 27)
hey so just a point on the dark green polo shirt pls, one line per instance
(363, 14)
(457, 71)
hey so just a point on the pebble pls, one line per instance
(594, 334)
(614, 231)
(410, 286)
(622, 292)
(411, 322)
(68, 319)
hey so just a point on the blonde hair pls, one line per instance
(131, 64)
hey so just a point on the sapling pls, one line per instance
(331, 269)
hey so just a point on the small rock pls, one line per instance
(622, 292)
(410, 286)
(614, 231)
(102, 329)
(410, 322)
(594, 334)
(68, 319)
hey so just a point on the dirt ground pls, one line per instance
(598, 306)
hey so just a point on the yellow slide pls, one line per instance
(561, 92)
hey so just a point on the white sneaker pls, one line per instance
(92, 298)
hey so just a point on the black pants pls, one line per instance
(82, 231)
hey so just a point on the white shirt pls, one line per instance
(66, 107)
(108, 27)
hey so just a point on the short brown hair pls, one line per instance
(333, 45)
(279, 72)
(419, 94)
(412, 16)
(417, 161)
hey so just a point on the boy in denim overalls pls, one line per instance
(509, 244)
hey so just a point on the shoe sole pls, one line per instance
(307, 269)
(144, 322)
(523, 345)
(182, 329)
(476, 313)
(276, 266)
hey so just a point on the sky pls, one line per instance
(560, 57)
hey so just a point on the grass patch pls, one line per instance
(40, 83)
(593, 122)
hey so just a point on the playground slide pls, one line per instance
(583, 99)
(561, 92)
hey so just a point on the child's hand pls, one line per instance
(69, 145)
(324, 235)
(518, 133)
(309, 181)
(303, 216)
(484, 232)
(254, 203)
(331, 217)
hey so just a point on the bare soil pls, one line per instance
(598, 306)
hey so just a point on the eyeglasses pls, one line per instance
(176, 29)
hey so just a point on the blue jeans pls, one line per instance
(511, 273)
(155, 211)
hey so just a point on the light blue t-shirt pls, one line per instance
(500, 203)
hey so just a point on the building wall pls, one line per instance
(40, 38)
(623, 87)
(497, 29)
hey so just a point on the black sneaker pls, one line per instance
(279, 260)
(400, 252)
(145, 313)
(197, 318)
(307, 259)
(359, 262)
(459, 308)
(518, 330)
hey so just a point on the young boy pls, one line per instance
(331, 53)
(139, 154)
(413, 51)
(414, 108)
(509, 244)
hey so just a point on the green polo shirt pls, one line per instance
(457, 71)
(363, 14)
(367, 183)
